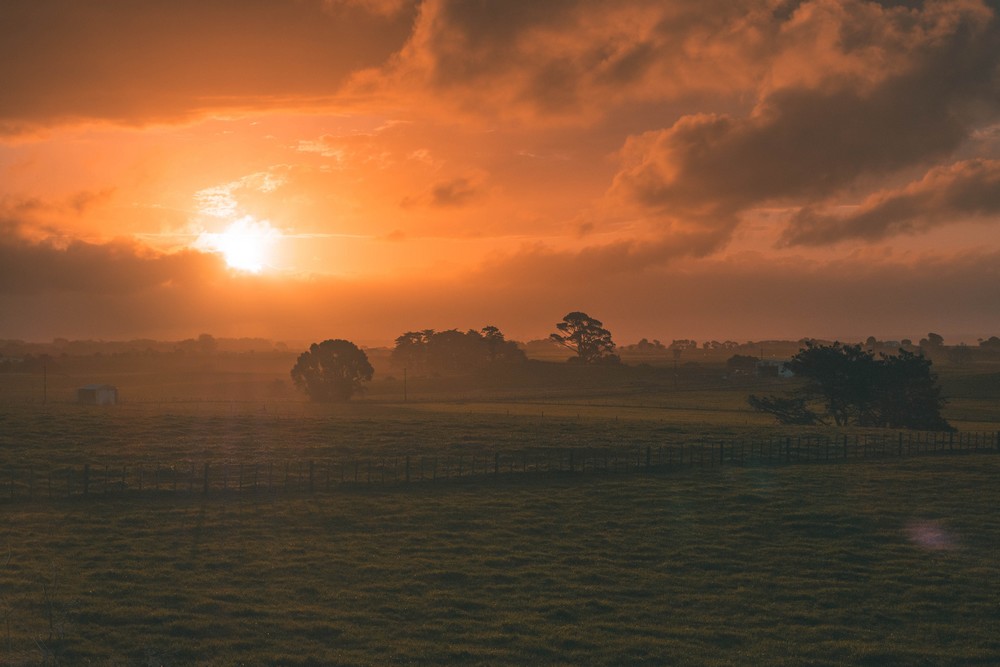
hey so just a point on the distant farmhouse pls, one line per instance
(774, 368)
(97, 394)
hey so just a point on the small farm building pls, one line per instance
(97, 394)
(774, 368)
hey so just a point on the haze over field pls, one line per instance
(359, 168)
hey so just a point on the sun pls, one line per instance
(246, 244)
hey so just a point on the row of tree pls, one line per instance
(847, 384)
(453, 351)
(336, 369)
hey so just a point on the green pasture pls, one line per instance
(890, 563)
(692, 395)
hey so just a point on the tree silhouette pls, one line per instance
(587, 337)
(851, 386)
(908, 394)
(332, 371)
(455, 352)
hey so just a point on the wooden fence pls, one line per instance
(263, 477)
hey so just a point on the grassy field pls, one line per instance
(881, 564)
(693, 395)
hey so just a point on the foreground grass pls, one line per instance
(876, 563)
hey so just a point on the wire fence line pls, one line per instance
(317, 476)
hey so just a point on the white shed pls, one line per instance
(774, 368)
(97, 394)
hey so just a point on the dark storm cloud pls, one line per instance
(566, 58)
(139, 61)
(969, 189)
(816, 134)
(117, 267)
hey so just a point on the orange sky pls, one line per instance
(699, 169)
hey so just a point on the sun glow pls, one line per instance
(246, 244)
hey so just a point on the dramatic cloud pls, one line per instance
(30, 267)
(964, 190)
(817, 134)
(685, 168)
(136, 62)
(574, 59)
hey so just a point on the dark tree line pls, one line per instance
(334, 370)
(454, 351)
(851, 386)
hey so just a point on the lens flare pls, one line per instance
(931, 535)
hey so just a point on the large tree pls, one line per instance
(851, 386)
(587, 337)
(332, 370)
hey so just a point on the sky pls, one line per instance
(311, 169)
